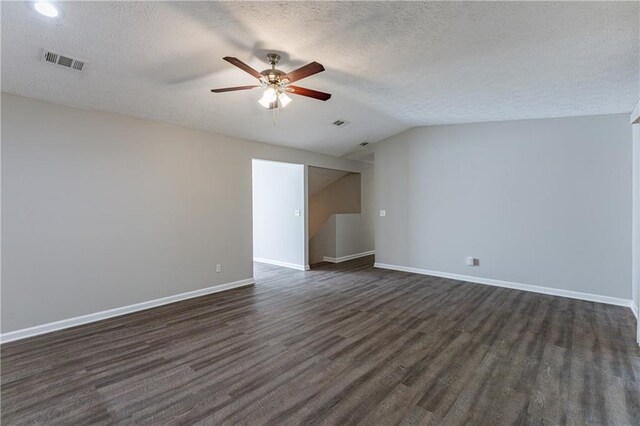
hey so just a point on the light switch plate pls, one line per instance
(297, 212)
(383, 213)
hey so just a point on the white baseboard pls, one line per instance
(634, 309)
(516, 286)
(285, 264)
(110, 313)
(349, 257)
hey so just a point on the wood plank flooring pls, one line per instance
(342, 344)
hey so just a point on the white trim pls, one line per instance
(110, 313)
(284, 264)
(516, 286)
(349, 257)
(634, 309)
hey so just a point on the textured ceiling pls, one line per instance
(389, 65)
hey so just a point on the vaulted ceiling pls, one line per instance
(389, 65)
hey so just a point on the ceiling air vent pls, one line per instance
(340, 123)
(65, 61)
(364, 143)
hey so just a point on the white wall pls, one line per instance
(278, 234)
(539, 202)
(101, 210)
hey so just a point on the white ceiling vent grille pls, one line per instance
(55, 58)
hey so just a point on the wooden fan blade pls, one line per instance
(297, 90)
(244, 67)
(232, 89)
(304, 72)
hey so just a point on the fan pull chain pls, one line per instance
(276, 111)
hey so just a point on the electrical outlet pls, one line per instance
(383, 213)
(297, 212)
(218, 268)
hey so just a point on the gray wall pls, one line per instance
(349, 235)
(278, 191)
(101, 210)
(539, 202)
(323, 242)
(341, 235)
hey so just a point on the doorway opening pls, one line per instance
(337, 229)
(279, 214)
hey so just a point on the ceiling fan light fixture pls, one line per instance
(270, 96)
(284, 99)
(46, 8)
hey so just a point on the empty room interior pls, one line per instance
(373, 213)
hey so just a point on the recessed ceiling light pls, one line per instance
(47, 9)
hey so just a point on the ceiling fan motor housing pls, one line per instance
(274, 76)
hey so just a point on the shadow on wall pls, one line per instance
(331, 192)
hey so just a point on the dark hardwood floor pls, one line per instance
(342, 344)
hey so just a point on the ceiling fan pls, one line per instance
(277, 83)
